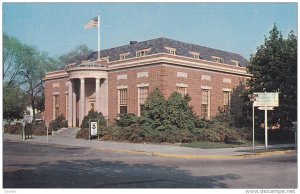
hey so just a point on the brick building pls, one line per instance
(121, 80)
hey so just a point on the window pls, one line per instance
(205, 103)
(124, 56)
(218, 59)
(143, 95)
(141, 53)
(181, 90)
(195, 55)
(55, 106)
(171, 50)
(226, 95)
(235, 63)
(122, 101)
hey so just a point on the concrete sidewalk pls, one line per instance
(172, 151)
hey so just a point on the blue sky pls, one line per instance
(57, 28)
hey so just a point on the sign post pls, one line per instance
(266, 101)
(252, 99)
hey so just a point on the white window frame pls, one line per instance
(218, 59)
(171, 51)
(124, 56)
(143, 52)
(195, 55)
(140, 86)
(208, 103)
(54, 105)
(119, 97)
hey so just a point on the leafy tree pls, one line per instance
(13, 103)
(34, 68)
(155, 110)
(274, 69)
(179, 113)
(12, 58)
(79, 54)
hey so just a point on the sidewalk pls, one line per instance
(172, 151)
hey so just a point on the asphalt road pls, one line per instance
(40, 166)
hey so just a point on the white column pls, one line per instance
(82, 100)
(104, 98)
(97, 106)
(70, 104)
(74, 105)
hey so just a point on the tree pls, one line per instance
(13, 103)
(12, 59)
(155, 110)
(179, 113)
(79, 54)
(274, 69)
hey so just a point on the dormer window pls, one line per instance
(141, 53)
(124, 56)
(235, 63)
(104, 59)
(172, 51)
(218, 59)
(195, 55)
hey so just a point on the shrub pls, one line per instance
(83, 133)
(39, 129)
(58, 123)
(93, 115)
(126, 120)
(13, 129)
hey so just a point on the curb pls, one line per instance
(183, 156)
(180, 156)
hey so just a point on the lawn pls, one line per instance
(241, 143)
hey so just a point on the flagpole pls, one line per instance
(98, 36)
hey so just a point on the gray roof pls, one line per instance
(158, 46)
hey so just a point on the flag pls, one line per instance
(92, 24)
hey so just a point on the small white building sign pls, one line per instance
(94, 128)
(267, 99)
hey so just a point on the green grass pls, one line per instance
(241, 143)
(211, 145)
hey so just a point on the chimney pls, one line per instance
(133, 42)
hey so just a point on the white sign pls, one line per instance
(94, 127)
(266, 99)
(266, 108)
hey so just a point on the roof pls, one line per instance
(159, 46)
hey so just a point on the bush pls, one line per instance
(58, 123)
(93, 115)
(83, 133)
(13, 129)
(39, 129)
(126, 120)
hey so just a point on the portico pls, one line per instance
(88, 89)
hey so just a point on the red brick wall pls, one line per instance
(165, 78)
(49, 90)
(153, 79)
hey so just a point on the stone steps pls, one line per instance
(66, 133)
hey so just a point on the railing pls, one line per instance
(84, 66)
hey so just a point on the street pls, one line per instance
(41, 166)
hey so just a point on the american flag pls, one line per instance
(92, 24)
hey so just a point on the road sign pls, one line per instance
(267, 99)
(266, 108)
(94, 128)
